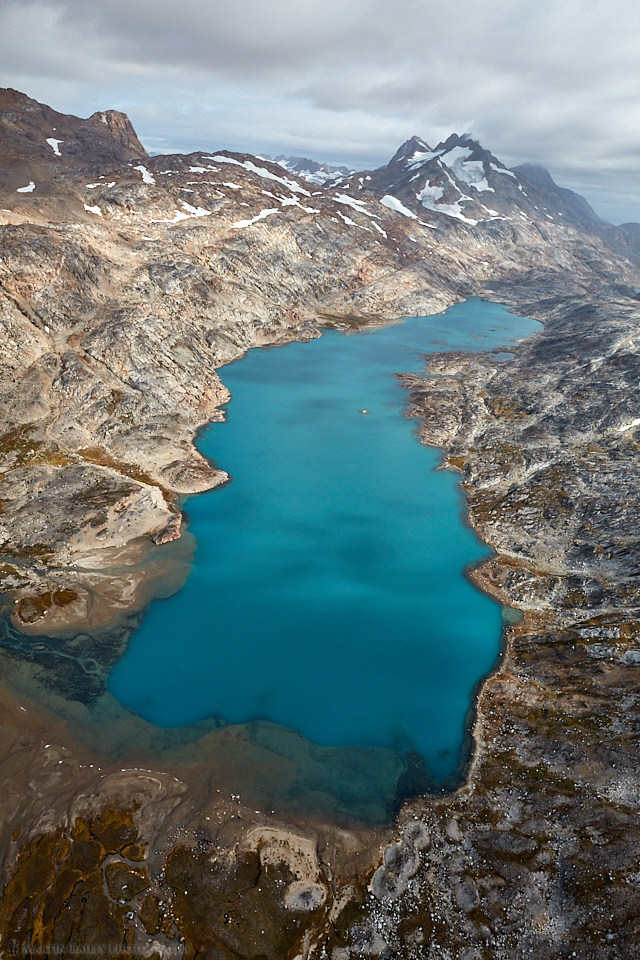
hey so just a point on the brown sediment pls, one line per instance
(110, 584)
(104, 856)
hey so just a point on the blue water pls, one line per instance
(328, 592)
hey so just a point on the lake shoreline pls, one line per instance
(411, 778)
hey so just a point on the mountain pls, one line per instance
(40, 144)
(461, 179)
(627, 241)
(569, 203)
(457, 179)
(311, 170)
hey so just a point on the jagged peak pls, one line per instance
(460, 140)
(409, 148)
(120, 127)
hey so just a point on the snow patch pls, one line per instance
(289, 201)
(261, 172)
(508, 173)
(430, 197)
(629, 426)
(469, 171)
(30, 187)
(196, 211)
(241, 224)
(190, 212)
(207, 169)
(176, 219)
(352, 223)
(146, 176)
(350, 201)
(96, 210)
(421, 156)
(55, 145)
(394, 204)
(453, 210)
(358, 205)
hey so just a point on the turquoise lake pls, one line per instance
(328, 592)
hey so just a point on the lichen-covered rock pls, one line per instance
(305, 896)
(401, 863)
(416, 835)
(125, 882)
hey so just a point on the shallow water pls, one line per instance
(328, 592)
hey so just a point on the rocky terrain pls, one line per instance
(126, 283)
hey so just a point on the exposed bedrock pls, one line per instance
(127, 282)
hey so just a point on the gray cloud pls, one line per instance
(557, 81)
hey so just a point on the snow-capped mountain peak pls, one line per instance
(311, 170)
(410, 150)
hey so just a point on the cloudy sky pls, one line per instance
(552, 81)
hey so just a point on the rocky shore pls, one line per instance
(537, 854)
(116, 323)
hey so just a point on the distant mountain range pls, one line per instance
(457, 179)
(311, 170)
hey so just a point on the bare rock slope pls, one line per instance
(125, 282)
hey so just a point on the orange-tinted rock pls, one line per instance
(123, 881)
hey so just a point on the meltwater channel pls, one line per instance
(328, 593)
